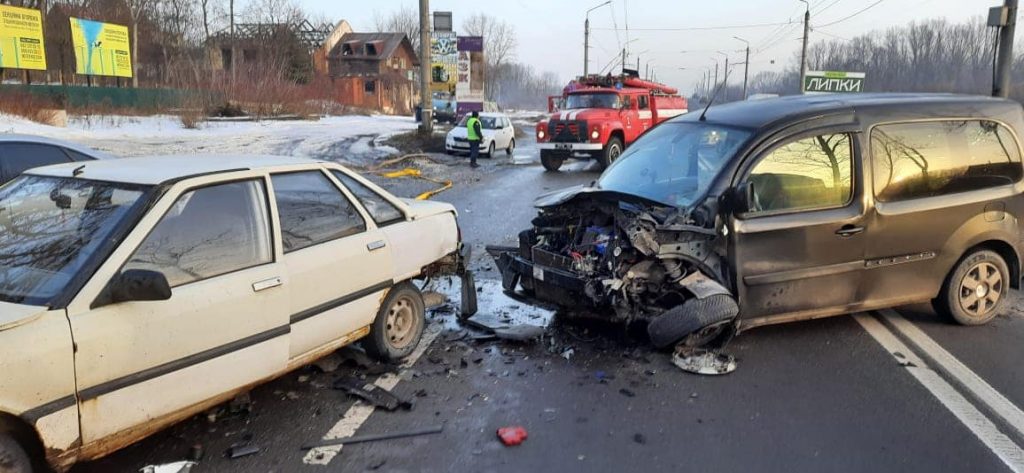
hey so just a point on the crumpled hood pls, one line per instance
(562, 196)
(13, 315)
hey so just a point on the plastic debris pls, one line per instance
(239, 451)
(375, 437)
(512, 436)
(371, 393)
(176, 467)
(700, 361)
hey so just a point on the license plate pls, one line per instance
(538, 273)
(563, 146)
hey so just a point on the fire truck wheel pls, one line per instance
(550, 161)
(610, 153)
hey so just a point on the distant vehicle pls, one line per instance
(137, 292)
(785, 209)
(599, 116)
(499, 134)
(21, 152)
(445, 108)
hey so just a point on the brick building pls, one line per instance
(375, 71)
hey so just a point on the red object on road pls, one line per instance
(511, 436)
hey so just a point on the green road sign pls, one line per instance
(816, 82)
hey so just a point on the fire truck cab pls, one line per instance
(602, 115)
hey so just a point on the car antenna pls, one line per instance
(715, 94)
(79, 170)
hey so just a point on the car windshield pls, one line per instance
(49, 229)
(603, 100)
(487, 123)
(673, 163)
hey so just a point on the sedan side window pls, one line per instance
(312, 210)
(208, 232)
(382, 211)
(811, 173)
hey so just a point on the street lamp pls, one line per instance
(746, 66)
(586, 37)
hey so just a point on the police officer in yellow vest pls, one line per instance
(474, 132)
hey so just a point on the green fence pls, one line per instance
(115, 97)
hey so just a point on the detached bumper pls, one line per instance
(547, 283)
(571, 146)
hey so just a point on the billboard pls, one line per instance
(101, 49)
(443, 60)
(21, 39)
(820, 82)
(469, 87)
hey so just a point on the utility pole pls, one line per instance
(1004, 60)
(426, 105)
(725, 80)
(803, 52)
(647, 71)
(746, 66)
(623, 59)
(586, 38)
(715, 85)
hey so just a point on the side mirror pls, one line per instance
(743, 198)
(135, 285)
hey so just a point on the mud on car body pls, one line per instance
(794, 208)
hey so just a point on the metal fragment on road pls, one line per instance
(176, 467)
(376, 437)
(706, 362)
(371, 393)
(239, 451)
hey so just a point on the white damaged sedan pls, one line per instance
(135, 293)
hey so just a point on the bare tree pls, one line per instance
(404, 20)
(276, 12)
(499, 38)
(136, 10)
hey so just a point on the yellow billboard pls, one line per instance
(21, 39)
(101, 49)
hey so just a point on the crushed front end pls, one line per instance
(626, 259)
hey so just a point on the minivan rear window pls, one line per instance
(927, 159)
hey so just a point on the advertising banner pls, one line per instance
(101, 49)
(21, 39)
(819, 82)
(443, 58)
(469, 90)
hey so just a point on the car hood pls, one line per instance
(13, 315)
(562, 196)
(425, 208)
(588, 114)
(462, 132)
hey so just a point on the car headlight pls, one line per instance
(540, 134)
(594, 135)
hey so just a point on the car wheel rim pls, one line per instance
(614, 153)
(401, 323)
(980, 289)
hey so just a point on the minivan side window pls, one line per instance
(810, 173)
(209, 232)
(312, 210)
(380, 210)
(927, 159)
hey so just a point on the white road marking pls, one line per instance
(982, 428)
(356, 415)
(959, 372)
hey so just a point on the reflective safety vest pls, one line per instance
(471, 129)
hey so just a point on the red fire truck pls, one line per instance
(598, 116)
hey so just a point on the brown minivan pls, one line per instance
(769, 211)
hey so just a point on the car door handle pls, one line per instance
(849, 230)
(266, 284)
(376, 245)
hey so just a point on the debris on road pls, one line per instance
(512, 436)
(371, 393)
(195, 453)
(376, 437)
(700, 361)
(239, 451)
(176, 467)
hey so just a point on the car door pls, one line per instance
(339, 262)
(940, 187)
(799, 249)
(17, 157)
(223, 328)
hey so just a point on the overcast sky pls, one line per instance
(550, 32)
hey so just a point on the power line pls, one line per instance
(819, 30)
(704, 28)
(826, 7)
(851, 16)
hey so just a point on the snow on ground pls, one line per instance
(351, 139)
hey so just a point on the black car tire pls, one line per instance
(13, 458)
(511, 147)
(399, 324)
(551, 161)
(612, 150)
(976, 290)
(490, 150)
(675, 324)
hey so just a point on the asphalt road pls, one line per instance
(891, 391)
